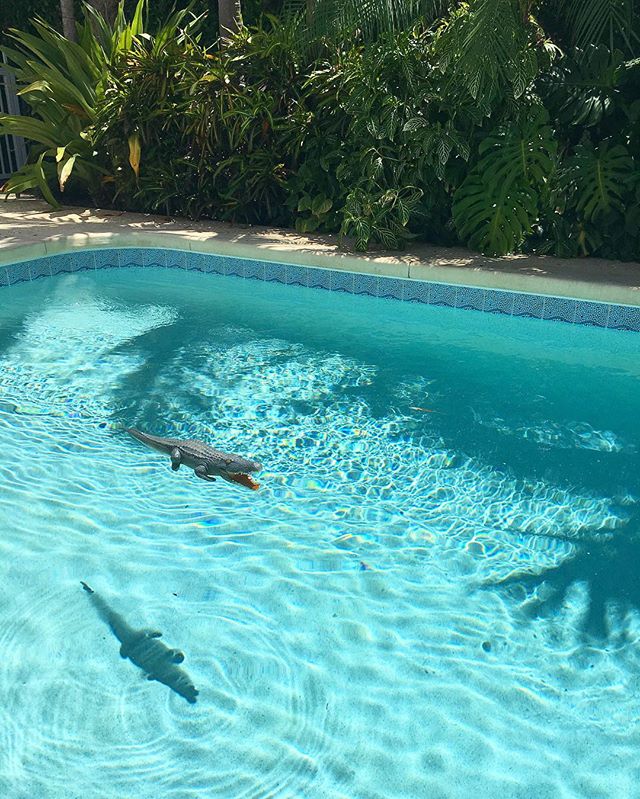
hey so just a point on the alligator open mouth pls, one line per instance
(244, 480)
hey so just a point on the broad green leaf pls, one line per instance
(307, 224)
(597, 179)
(413, 124)
(321, 205)
(135, 151)
(498, 202)
(65, 171)
(43, 184)
(29, 128)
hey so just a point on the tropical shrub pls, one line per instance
(594, 96)
(62, 82)
(389, 144)
(217, 130)
(382, 121)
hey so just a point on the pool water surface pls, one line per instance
(434, 594)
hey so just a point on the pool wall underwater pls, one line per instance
(488, 300)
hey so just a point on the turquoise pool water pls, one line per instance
(434, 594)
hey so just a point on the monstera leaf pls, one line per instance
(581, 88)
(494, 228)
(597, 178)
(497, 203)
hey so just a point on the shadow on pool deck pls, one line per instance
(26, 222)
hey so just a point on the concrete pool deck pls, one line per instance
(30, 229)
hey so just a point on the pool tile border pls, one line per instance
(487, 300)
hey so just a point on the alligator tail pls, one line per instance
(135, 433)
(155, 442)
(118, 625)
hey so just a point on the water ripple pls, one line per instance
(340, 623)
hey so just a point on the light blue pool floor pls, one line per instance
(432, 595)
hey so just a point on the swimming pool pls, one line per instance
(433, 594)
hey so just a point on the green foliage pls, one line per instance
(218, 133)
(487, 52)
(380, 120)
(497, 204)
(345, 21)
(64, 83)
(598, 196)
(594, 96)
(594, 22)
(596, 178)
(392, 140)
(20, 14)
(581, 88)
(381, 217)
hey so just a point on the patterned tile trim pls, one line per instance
(495, 301)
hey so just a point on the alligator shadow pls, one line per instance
(144, 649)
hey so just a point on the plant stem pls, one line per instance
(229, 18)
(68, 20)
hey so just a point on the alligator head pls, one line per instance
(238, 470)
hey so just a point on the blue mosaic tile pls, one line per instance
(275, 273)
(470, 297)
(60, 264)
(559, 309)
(320, 278)
(416, 291)
(217, 265)
(131, 256)
(624, 317)
(176, 259)
(297, 275)
(41, 267)
(80, 260)
(598, 314)
(105, 259)
(392, 287)
(19, 273)
(235, 266)
(442, 294)
(366, 284)
(254, 270)
(595, 314)
(155, 257)
(197, 261)
(531, 305)
(499, 301)
(342, 281)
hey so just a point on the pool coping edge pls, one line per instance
(340, 261)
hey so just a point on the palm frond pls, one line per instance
(609, 22)
(341, 20)
(485, 49)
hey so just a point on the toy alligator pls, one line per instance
(207, 462)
